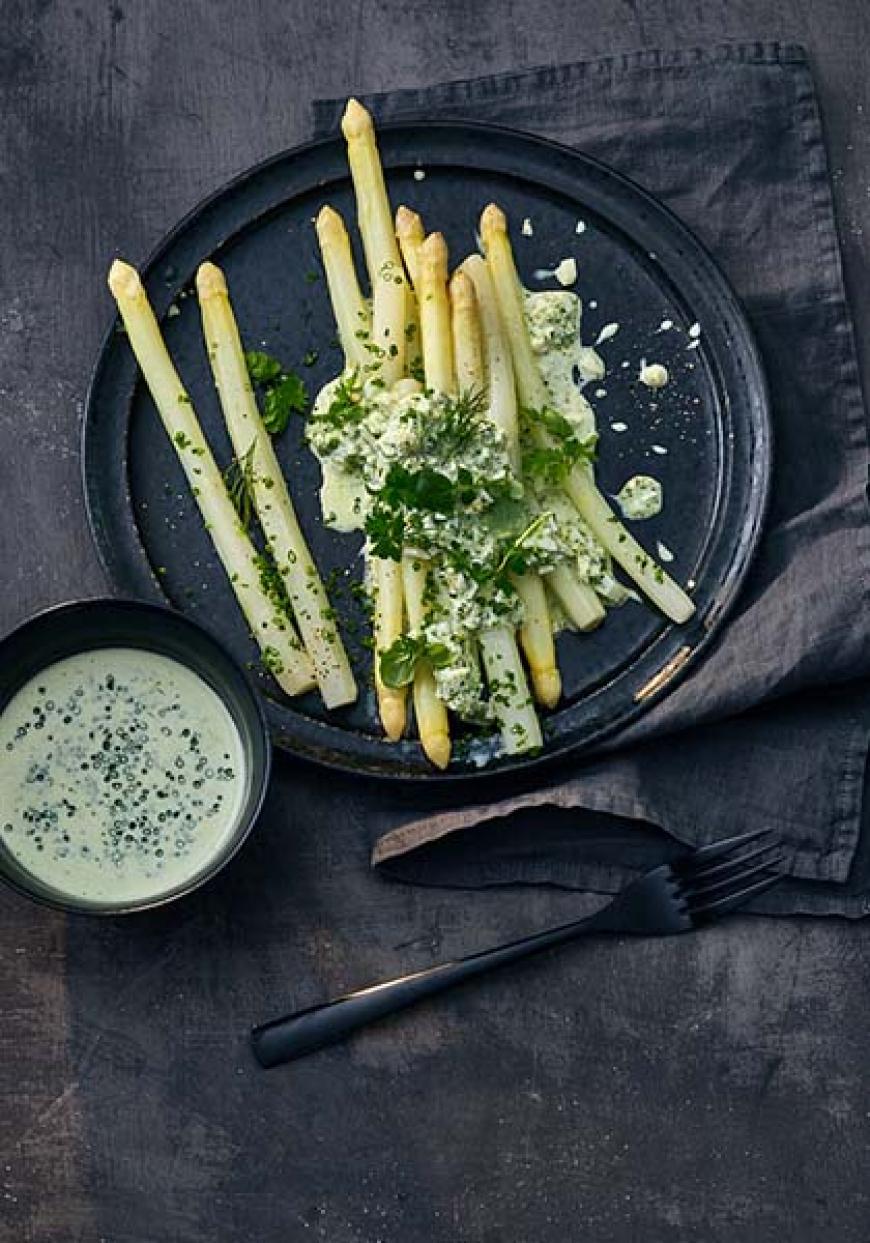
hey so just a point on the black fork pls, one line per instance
(702, 886)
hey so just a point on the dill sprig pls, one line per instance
(239, 479)
(453, 425)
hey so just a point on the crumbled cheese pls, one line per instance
(665, 326)
(695, 330)
(619, 427)
(419, 174)
(581, 226)
(601, 392)
(527, 229)
(659, 449)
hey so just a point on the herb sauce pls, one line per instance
(122, 775)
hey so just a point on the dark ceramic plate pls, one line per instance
(638, 266)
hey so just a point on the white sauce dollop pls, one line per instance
(640, 497)
(653, 375)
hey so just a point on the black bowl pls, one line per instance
(88, 624)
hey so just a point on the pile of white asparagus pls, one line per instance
(473, 337)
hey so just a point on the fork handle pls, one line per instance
(293, 1036)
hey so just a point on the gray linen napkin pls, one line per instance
(731, 139)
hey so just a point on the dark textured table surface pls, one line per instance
(713, 1088)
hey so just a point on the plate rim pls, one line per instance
(518, 768)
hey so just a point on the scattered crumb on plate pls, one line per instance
(565, 272)
(608, 331)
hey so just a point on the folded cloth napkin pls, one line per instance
(772, 729)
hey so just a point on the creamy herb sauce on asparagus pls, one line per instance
(431, 475)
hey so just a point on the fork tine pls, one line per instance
(717, 849)
(715, 910)
(721, 888)
(713, 873)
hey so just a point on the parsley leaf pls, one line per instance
(400, 661)
(551, 463)
(283, 392)
(262, 367)
(386, 531)
(418, 489)
(283, 398)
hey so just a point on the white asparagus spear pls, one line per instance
(581, 604)
(410, 235)
(536, 639)
(432, 720)
(577, 598)
(311, 608)
(536, 632)
(384, 577)
(435, 315)
(386, 274)
(580, 483)
(499, 369)
(508, 689)
(275, 635)
(352, 316)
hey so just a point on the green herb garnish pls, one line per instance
(385, 529)
(282, 392)
(400, 661)
(286, 396)
(262, 367)
(514, 560)
(551, 463)
(239, 480)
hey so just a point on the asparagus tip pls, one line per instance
(437, 748)
(471, 264)
(356, 120)
(492, 220)
(462, 290)
(409, 223)
(329, 224)
(548, 686)
(433, 256)
(124, 280)
(393, 716)
(210, 281)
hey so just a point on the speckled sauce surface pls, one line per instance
(122, 775)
